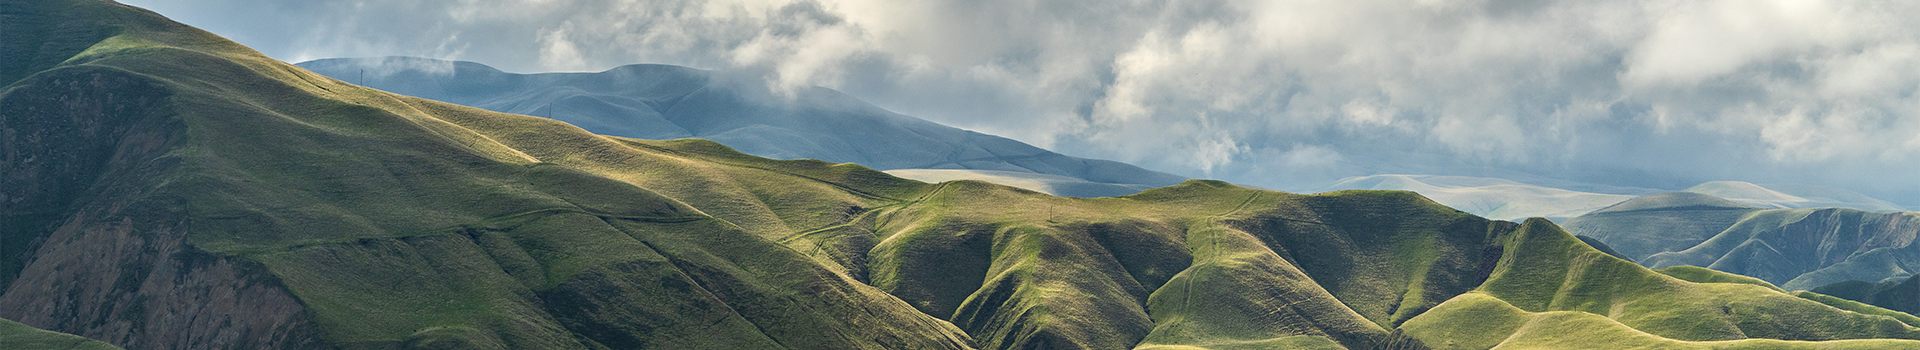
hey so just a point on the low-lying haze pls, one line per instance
(1282, 94)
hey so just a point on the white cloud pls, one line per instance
(1760, 90)
(558, 53)
(1310, 156)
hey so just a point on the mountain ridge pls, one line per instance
(181, 191)
(1560, 200)
(652, 101)
(1798, 249)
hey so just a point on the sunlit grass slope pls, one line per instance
(181, 191)
(14, 335)
(1203, 263)
(1551, 291)
(400, 222)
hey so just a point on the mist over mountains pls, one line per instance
(1562, 200)
(162, 187)
(1281, 94)
(669, 102)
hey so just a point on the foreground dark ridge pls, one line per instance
(179, 191)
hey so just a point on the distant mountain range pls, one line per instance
(663, 102)
(1798, 249)
(1790, 196)
(1493, 198)
(164, 188)
(1560, 200)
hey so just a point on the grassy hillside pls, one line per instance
(282, 209)
(1551, 291)
(14, 335)
(166, 188)
(1176, 266)
(1901, 295)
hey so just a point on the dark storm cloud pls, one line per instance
(1283, 94)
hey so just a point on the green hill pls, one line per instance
(183, 191)
(14, 335)
(1180, 265)
(1901, 295)
(1551, 291)
(165, 188)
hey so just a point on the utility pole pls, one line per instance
(363, 77)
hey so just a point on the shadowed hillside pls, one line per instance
(167, 189)
(1798, 249)
(669, 102)
(1901, 295)
(182, 191)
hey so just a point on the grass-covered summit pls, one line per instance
(164, 188)
(1550, 291)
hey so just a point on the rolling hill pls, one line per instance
(1552, 292)
(1798, 249)
(164, 188)
(668, 102)
(1901, 295)
(14, 335)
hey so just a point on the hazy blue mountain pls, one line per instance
(669, 102)
(1499, 199)
(165, 188)
(1786, 196)
(1798, 249)
(1508, 199)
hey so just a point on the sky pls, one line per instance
(1284, 94)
